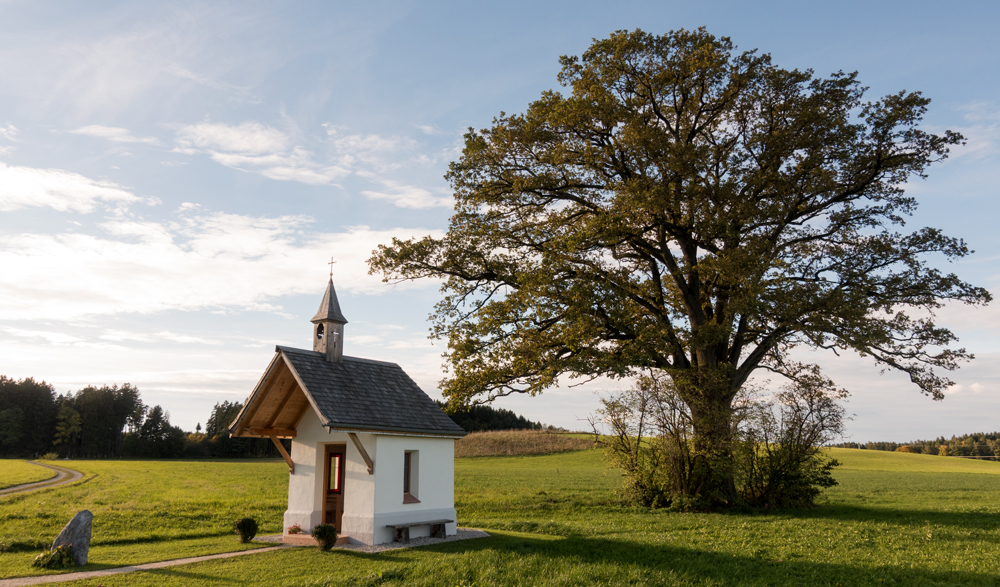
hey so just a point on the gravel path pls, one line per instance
(463, 534)
(63, 476)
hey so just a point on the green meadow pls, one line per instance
(895, 519)
(17, 472)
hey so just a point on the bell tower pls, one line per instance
(328, 326)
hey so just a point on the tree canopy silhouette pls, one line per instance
(694, 210)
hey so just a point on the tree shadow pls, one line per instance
(703, 567)
(902, 517)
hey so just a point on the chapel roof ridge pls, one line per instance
(289, 349)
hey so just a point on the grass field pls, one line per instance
(147, 510)
(896, 519)
(15, 472)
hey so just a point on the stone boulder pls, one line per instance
(76, 536)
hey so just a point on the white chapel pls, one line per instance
(371, 452)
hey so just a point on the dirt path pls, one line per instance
(63, 477)
(24, 581)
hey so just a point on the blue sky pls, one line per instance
(174, 176)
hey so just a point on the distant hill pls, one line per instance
(979, 445)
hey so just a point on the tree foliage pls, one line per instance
(695, 210)
(110, 421)
(27, 416)
(104, 412)
(482, 418)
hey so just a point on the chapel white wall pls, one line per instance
(433, 484)
(359, 490)
(305, 484)
(306, 487)
(371, 501)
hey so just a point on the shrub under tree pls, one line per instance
(777, 460)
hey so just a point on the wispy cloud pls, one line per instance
(430, 130)
(255, 147)
(408, 196)
(367, 152)
(982, 133)
(258, 148)
(248, 138)
(240, 91)
(166, 335)
(47, 336)
(22, 187)
(8, 132)
(55, 338)
(200, 261)
(113, 133)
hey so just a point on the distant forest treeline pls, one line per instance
(108, 422)
(113, 422)
(979, 445)
(483, 418)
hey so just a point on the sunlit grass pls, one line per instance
(876, 460)
(15, 472)
(896, 519)
(148, 510)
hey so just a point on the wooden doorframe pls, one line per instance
(334, 448)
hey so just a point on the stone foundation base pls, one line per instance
(307, 540)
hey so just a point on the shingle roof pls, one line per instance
(365, 394)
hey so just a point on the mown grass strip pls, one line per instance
(18, 472)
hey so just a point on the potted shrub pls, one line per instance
(325, 535)
(246, 528)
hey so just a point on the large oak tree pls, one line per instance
(694, 210)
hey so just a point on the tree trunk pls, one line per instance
(714, 472)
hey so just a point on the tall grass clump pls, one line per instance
(518, 442)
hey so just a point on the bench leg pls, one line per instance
(402, 535)
(437, 531)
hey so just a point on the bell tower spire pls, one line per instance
(328, 324)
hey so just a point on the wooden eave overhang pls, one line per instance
(276, 405)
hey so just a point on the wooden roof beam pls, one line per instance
(284, 453)
(364, 453)
(278, 432)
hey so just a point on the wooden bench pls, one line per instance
(401, 532)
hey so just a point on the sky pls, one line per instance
(175, 177)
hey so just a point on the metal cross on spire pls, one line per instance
(331, 267)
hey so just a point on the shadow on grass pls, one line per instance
(598, 560)
(904, 517)
(160, 538)
(186, 577)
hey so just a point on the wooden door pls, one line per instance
(333, 503)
